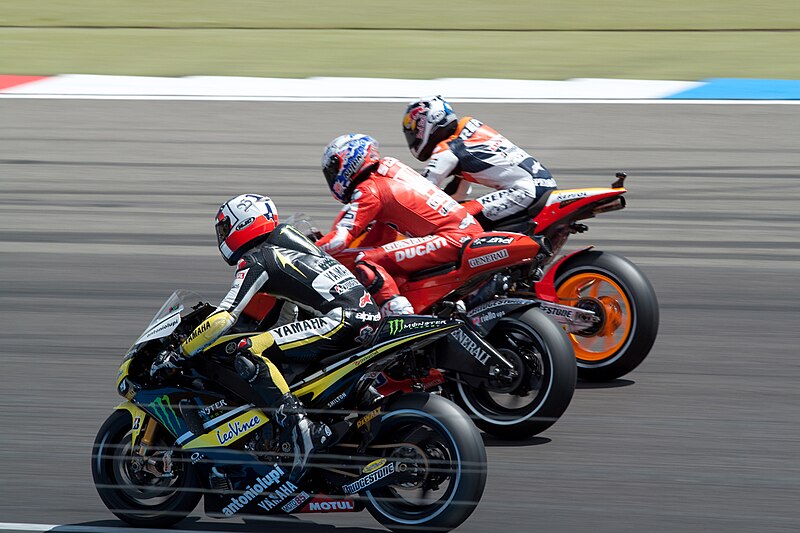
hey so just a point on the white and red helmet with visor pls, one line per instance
(243, 222)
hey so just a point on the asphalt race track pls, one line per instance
(107, 207)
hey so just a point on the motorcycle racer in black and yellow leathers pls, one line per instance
(278, 260)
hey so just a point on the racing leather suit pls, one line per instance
(289, 267)
(479, 154)
(395, 196)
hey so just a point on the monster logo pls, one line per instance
(396, 326)
(166, 414)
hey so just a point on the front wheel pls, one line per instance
(622, 296)
(543, 357)
(445, 455)
(131, 488)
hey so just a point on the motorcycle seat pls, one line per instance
(521, 222)
(536, 207)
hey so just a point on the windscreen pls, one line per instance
(169, 316)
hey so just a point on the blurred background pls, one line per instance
(107, 207)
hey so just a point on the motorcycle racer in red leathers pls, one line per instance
(471, 150)
(397, 199)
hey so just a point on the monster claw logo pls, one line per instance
(396, 326)
(164, 411)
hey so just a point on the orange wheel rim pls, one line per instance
(618, 322)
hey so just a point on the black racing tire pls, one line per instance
(459, 452)
(548, 368)
(124, 498)
(637, 306)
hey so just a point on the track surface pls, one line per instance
(107, 207)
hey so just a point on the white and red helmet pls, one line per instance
(344, 158)
(243, 222)
(427, 122)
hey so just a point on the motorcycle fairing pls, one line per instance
(496, 251)
(484, 316)
(474, 359)
(573, 204)
(257, 489)
(391, 334)
(546, 287)
(137, 418)
(227, 432)
(167, 406)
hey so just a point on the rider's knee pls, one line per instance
(369, 276)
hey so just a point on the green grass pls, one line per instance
(419, 14)
(300, 38)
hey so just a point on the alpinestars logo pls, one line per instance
(364, 300)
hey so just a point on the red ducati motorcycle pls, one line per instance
(475, 289)
(604, 302)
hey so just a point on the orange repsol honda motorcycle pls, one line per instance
(625, 323)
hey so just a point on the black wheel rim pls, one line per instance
(522, 400)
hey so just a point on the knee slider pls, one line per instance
(369, 277)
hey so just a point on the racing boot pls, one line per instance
(304, 436)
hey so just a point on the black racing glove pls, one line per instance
(165, 364)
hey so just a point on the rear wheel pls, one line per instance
(542, 355)
(444, 464)
(135, 493)
(626, 302)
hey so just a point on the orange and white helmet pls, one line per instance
(243, 222)
(427, 122)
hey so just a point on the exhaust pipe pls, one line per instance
(614, 205)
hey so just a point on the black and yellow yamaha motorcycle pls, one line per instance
(413, 460)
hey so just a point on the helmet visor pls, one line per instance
(331, 169)
(223, 228)
(411, 138)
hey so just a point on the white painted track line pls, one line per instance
(212, 98)
(78, 528)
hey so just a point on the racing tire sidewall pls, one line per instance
(644, 312)
(556, 349)
(168, 513)
(465, 440)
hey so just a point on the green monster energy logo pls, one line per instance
(164, 411)
(396, 326)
